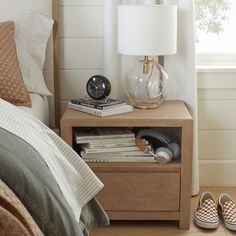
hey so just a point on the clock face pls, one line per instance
(98, 87)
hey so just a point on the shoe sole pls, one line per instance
(206, 225)
(227, 225)
(230, 226)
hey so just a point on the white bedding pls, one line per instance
(76, 181)
(39, 109)
(44, 7)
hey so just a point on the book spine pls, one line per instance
(100, 107)
(144, 159)
(110, 145)
(104, 150)
(117, 110)
(101, 137)
(104, 137)
(101, 113)
(115, 144)
(86, 104)
(106, 141)
(85, 109)
(112, 106)
(114, 154)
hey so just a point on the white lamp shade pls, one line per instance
(149, 30)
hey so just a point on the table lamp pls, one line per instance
(147, 30)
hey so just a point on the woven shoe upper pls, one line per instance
(227, 208)
(207, 210)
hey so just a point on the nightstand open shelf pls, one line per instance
(143, 191)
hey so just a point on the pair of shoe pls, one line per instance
(207, 215)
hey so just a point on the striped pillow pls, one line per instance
(32, 31)
(12, 87)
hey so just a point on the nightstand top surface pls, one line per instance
(170, 112)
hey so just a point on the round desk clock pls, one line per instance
(98, 87)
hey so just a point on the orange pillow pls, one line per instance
(12, 87)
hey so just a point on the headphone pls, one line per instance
(164, 154)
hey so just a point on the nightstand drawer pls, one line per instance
(137, 191)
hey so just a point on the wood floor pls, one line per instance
(160, 228)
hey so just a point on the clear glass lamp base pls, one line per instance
(146, 87)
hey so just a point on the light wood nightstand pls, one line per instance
(143, 191)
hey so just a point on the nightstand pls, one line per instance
(143, 191)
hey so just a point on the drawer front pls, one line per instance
(139, 191)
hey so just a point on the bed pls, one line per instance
(39, 108)
(45, 187)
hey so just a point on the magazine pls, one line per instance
(109, 150)
(102, 133)
(99, 112)
(99, 104)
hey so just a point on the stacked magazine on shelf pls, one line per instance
(104, 107)
(114, 144)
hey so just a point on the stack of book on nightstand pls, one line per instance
(109, 145)
(106, 107)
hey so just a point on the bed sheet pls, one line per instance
(70, 171)
(39, 109)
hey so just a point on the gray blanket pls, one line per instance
(25, 172)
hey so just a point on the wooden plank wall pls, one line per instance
(81, 46)
(217, 127)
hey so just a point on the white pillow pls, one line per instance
(32, 31)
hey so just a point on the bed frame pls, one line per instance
(55, 14)
(52, 65)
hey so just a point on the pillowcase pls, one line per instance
(32, 31)
(12, 87)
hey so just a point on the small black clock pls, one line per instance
(98, 87)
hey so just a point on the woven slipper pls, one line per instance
(227, 209)
(206, 215)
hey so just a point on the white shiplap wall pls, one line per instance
(81, 46)
(81, 42)
(217, 127)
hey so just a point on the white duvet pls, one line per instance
(76, 181)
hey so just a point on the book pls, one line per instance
(123, 159)
(102, 133)
(99, 104)
(110, 145)
(96, 141)
(101, 113)
(113, 143)
(115, 149)
(114, 154)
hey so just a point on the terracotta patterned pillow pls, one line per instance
(12, 87)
